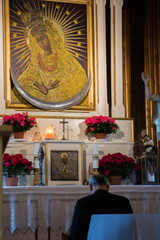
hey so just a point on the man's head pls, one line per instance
(97, 182)
(143, 133)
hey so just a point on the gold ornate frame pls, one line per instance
(89, 105)
(66, 147)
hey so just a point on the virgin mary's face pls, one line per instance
(43, 41)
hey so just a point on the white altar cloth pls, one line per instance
(52, 206)
(42, 207)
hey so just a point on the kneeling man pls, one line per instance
(99, 202)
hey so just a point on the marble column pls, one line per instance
(100, 49)
(116, 59)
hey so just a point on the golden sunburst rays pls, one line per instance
(70, 22)
(16, 20)
(17, 43)
(22, 57)
(18, 46)
(19, 6)
(20, 53)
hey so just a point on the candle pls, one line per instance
(49, 134)
(95, 149)
(36, 146)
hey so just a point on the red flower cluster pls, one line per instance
(100, 124)
(14, 165)
(20, 122)
(116, 164)
(138, 167)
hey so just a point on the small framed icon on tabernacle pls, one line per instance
(64, 162)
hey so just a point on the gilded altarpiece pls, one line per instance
(49, 51)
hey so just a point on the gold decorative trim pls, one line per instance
(20, 107)
(97, 55)
(126, 64)
(119, 118)
(132, 130)
(90, 41)
(66, 117)
(114, 53)
(70, 1)
(6, 32)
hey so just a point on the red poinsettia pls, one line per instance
(116, 164)
(20, 122)
(100, 124)
(14, 165)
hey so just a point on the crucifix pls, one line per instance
(63, 122)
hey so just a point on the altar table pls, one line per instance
(46, 212)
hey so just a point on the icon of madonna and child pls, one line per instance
(52, 75)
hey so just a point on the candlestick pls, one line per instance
(36, 162)
(95, 162)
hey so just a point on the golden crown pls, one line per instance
(33, 19)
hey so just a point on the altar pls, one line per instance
(79, 158)
(46, 212)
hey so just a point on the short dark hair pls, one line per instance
(98, 179)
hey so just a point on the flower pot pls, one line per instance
(100, 135)
(18, 135)
(115, 180)
(12, 181)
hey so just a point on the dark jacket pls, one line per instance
(139, 147)
(101, 202)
